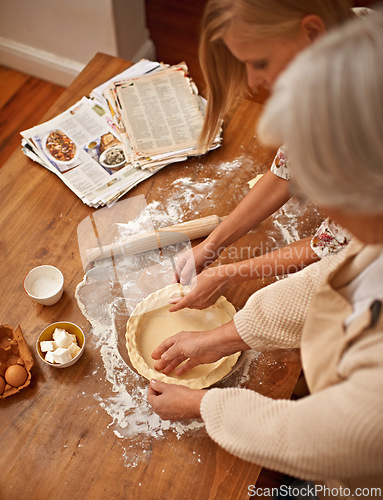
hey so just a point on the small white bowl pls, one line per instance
(47, 333)
(44, 284)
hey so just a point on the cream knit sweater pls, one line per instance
(303, 438)
(273, 317)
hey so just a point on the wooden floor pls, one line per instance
(24, 100)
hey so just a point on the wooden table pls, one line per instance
(56, 441)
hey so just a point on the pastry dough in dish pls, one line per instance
(151, 323)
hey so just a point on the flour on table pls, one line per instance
(291, 223)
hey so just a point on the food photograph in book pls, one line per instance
(107, 150)
(79, 137)
(59, 149)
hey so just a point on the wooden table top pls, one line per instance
(57, 438)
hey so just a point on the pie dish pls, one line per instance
(151, 323)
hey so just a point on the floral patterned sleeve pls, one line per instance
(280, 164)
(329, 238)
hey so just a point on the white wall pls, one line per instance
(55, 39)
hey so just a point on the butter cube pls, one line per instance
(73, 337)
(57, 332)
(49, 357)
(62, 355)
(47, 345)
(63, 339)
(74, 350)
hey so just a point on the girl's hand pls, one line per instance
(174, 402)
(206, 289)
(191, 262)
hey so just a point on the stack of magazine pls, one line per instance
(129, 128)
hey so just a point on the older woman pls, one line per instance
(331, 100)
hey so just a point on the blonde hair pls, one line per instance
(331, 100)
(224, 75)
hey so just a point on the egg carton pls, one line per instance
(14, 350)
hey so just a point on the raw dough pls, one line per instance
(253, 182)
(151, 323)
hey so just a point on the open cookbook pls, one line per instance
(128, 129)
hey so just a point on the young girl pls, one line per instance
(248, 43)
(331, 101)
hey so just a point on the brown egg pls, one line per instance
(16, 375)
(2, 385)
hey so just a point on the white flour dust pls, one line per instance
(287, 223)
(291, 223)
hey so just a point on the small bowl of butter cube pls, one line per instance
(61, 344)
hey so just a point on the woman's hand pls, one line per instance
(197, 348)
(191, 262)
(174, 402)
(206, 289)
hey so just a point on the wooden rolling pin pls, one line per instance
(170, 235)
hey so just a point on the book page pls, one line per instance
(160, 112)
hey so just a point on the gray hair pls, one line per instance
(327, 107)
